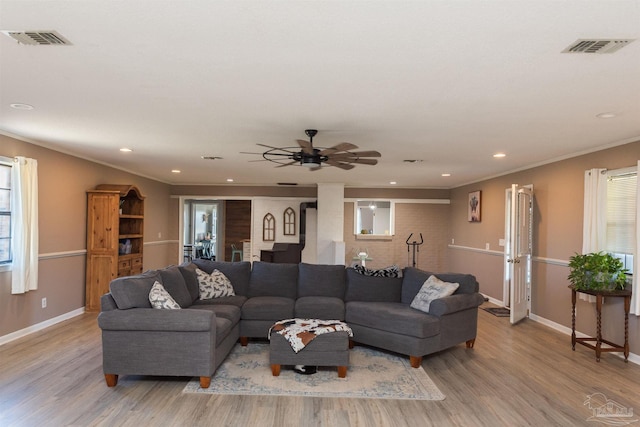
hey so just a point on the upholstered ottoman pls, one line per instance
(326, 349)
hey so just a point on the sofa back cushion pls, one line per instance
(273, 280)
(413, 279)
(174, 283)
(371, 288)
(238, 273)
(188, 270)
(317, 280)
(133, 291)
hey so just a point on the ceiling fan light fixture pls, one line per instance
(310, 162)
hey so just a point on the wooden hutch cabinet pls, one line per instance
(115, 232)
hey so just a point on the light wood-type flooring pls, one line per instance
(515, 376)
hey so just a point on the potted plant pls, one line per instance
(597, 271)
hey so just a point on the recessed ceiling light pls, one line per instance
(446, 174)
(211, 157)
(499, 155)
(606, 115)
(392, 182)
(126, 150)
(229, 179)
(413, 161)
(175, 171)
(19, 106)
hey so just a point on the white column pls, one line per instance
(330, 222)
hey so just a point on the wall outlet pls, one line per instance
(486, 246)
(44, 303)
(159, 235)
(453, 241)
(501, 242)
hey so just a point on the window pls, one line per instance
(268, 228)
(289, 222)
(621, 214)
(5, 210)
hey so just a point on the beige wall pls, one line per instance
(558, 212)
(63, 181)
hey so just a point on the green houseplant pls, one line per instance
(597, 271)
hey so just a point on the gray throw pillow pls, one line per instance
(432, 289)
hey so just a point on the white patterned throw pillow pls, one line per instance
(160, 298)
(214, 285)
(432, 289)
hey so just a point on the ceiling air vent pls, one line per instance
(597, 45)
(37, 38)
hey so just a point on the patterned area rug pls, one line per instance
(371, 374)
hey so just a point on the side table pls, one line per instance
(626, 294)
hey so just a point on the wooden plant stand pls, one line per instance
(587, 342)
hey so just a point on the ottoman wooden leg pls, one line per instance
(205, 382)
(342, 371)
(416, 361)
(111, 379)
(275, 370)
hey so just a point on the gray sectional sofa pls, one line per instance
(140, 340)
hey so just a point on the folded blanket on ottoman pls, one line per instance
(300, 332)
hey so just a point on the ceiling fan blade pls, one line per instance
(345, 166)
(285, 149)
(288, 164)
(306, 146)
(362, 161)
(343, 146)
(360, 155)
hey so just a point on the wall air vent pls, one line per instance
(597, 45)
(37, 38)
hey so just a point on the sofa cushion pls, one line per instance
(236, 300)
(276, 280)
(133, 291)
(392, 317)
(321, 280)
(368, 288)
(173, 282)
(327, 308)
(432, 290)
(238, 273)
(188, 270)
(414, 278)
(223, 329)
(230, 312)
(214, 285)
(268, 308)
(161, 299)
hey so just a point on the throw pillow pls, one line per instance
(160, 298)
(214, 285)
(392, 271)
(432, 289)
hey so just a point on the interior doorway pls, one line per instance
(203, 229)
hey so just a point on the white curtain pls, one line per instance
(24, 225)
(635, 289)
(594, 226)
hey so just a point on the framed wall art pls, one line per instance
(474, 206)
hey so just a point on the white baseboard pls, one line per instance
(634, 358)
(39, 326)
(493, 300)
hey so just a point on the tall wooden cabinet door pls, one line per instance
(102, 235)
(101, 270)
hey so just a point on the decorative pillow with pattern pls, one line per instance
(392, 271)
(214, 285)
(160, 298)
(432, 289)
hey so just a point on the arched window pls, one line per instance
(289, 222)
(268, 228)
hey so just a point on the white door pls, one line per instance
(518, 248)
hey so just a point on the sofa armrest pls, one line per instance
(150, 319)
(107, 303)
(454, 303)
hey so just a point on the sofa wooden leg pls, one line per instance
(244, 341)
(351, 344)
(112, 379)
(416, 361)
(205, 382)
(275, 370)
(470, 343)
(342, 371)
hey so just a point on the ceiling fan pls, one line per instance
(340, 155)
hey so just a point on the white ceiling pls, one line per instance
(447, 82)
